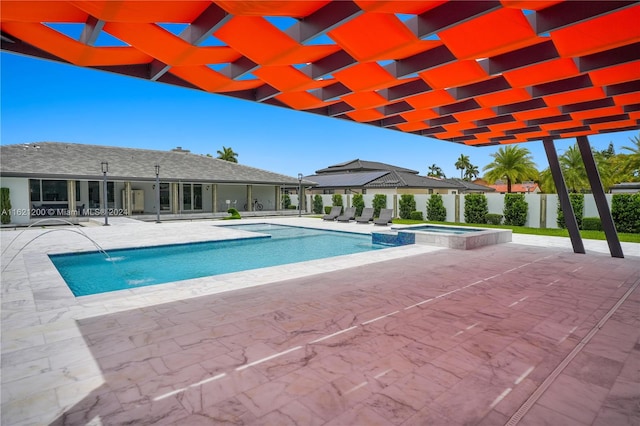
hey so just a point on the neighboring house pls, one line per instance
(66, 179)
(362, 177)
(625, 188)
(516, 188)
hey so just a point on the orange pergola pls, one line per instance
(472, 72)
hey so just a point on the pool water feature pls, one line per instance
(461, 238)
(263, 245)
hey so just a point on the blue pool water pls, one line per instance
(94, 272)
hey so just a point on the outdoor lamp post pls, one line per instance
(105, 169)
(299, 194)
(157, 167)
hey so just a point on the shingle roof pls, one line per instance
(470, 186)
(79, 161)
(345, 180)
(358, 165)
(396, 179)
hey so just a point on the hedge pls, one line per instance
(407, 205)
(591, 224)
(317, 204)
(358, 203)
(493, 218)
(476, 208)
(379, 203)
(515, 209)
(625, 210)
(416, 215)
(577, 201)
(435, 209)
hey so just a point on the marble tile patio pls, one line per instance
(525, 332)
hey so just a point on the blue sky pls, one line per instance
(47, 101)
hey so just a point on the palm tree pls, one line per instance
(435, 171)
(462, 164)
(575, 175)
(632, 163)
(512, 163)
(227, 154)
(471, 173)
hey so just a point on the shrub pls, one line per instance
(234, 214)
(317, 204)
(407, 205)
(5, 206)
(336, 200)
(416, 215)
(286, 201)
(358, 203)
(435, 209)
(625, 210)
(379, 203)
(475, 208)
(293, 207)
(577, 202)
(591, 224)
(493, 218)
(327, 209)
(515, 209)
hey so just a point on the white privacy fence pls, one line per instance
(542, 208)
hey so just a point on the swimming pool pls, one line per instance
(266, 245)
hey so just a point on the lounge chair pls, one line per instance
(367, 215)
(349, 215)
(333, 214)
(385, 217)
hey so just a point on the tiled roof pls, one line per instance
(68, 160)
(515, 187)
(395, 179)
(358, 165)
(345, 180)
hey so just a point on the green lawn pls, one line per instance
(552, 232)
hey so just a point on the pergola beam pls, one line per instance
(449, 14)
(567, 13)
(209, 21)
(91, 31)
(323, 20)
(563, 195)
(597, 190)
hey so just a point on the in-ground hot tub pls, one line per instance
(455, 237)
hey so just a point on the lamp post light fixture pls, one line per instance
(105, 169)
(157, 167)
(299, 194)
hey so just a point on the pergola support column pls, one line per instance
(606, 219)
(563, 195)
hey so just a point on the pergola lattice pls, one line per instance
(473, 72)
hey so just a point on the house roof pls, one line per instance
(515, 187)
(358, 165)
(473, 72)
(396, 179)
(345, 180)
(79, 161)
(470, 186)
(377, 179)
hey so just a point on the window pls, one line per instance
(186, 197)
(48, 190)
(78, 198)
(165, 203)
(34, 189)
(191, 196)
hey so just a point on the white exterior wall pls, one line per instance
(19, 196)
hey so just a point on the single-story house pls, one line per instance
(625, 188)
(362, 177)
(67, 179)
(516, 188)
